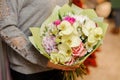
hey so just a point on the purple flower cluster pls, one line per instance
(49, 44)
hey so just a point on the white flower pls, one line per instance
(98, 33)
(89, 46)
(71, 40)
(88, 27)
(80, 18)
(76, 25)
(64, 54)
(65, 28)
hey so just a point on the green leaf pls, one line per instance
(98, 19)
(65, 9)
(90, 13)
(32, 41)
(36, 40)
(77, 10)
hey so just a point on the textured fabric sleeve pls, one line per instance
(9, 12)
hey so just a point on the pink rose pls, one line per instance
(79, 51)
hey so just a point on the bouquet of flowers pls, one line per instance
(69, 36)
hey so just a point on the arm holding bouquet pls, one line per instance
(14, 36)
(20, 41)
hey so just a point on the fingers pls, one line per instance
(62, 67)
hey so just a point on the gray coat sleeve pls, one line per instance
(8, 30)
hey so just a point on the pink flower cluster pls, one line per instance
(57, 22)
(67, 18)
(70, 19)
(79, 51)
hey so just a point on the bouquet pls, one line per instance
(68, 36)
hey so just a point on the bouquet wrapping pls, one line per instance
(69, 35)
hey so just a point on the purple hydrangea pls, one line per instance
(49, 44)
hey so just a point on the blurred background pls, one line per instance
(105, 62)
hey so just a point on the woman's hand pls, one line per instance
(62, 67)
